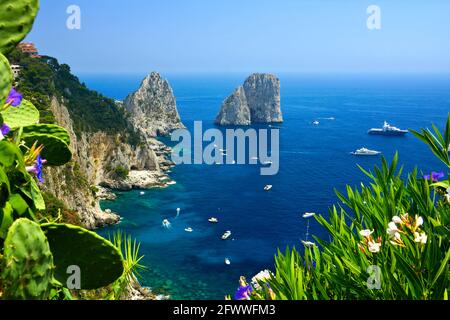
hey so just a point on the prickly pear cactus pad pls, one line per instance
(24, 115)
(5, 79)
(55, 151)
(16, 20)
(49, 129)
(99, 261)
(27, 264)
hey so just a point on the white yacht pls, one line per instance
(365, 152)
(213, 220)
(308, 215)
(227, 261)
(308, 244)
(268, 187)
(189, 229)
(226, 235)
(388, 130)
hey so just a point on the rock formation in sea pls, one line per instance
(152, 109)
(256, 101)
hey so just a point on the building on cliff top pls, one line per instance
(29, 48)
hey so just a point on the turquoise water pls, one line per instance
(313, 161)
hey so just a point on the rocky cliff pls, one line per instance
(152, 108)
(256, 101)
(102, 159)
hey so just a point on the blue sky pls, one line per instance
(325, 36)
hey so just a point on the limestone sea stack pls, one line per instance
(152, 109)
(256, 101)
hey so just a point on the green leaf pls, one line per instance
(6, 79)
(17, 17)
(24, 115)
(48, 129)
(18, 204)
(55, 151)
(6, 220)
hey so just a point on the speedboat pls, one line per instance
(365, 152)
(268, 187)
(189, 229)
(227, 261)
(142, 193)
(388, 130)
(171, 183)
(308, 215)
(316, 123)
(226, 235)
(166, 223)
(308, 244)
(213, 220)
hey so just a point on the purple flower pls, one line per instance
(39, 165)
(243, 293)
(37, 168)
(5, 129)
(14, 98)
(435, 176)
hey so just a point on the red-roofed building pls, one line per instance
(29, 48)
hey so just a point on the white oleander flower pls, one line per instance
(419, 221)
(397, 219)
(365, 233)
(374, 247)
(392, 229)
(262, 276)
(420, 238)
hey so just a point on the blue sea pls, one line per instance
(313, 161)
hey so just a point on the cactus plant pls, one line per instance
(50, 129)
(22, 116)
(100, 262)
(16, 20)
(55, 151)
(5, 78)
(27, 268)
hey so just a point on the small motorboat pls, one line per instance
(308, 244)
(226, 235)
(141, 193)
(316, 123)
(268, 187)
(365, 152)
(213, 220)
(227, 261)
(171, 183)
(308, 215)
(166, 223)
(189, 229)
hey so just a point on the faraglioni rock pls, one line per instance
(152, 109)
(257, 101)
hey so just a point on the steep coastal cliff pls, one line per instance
(111, 147)
(256, 101)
